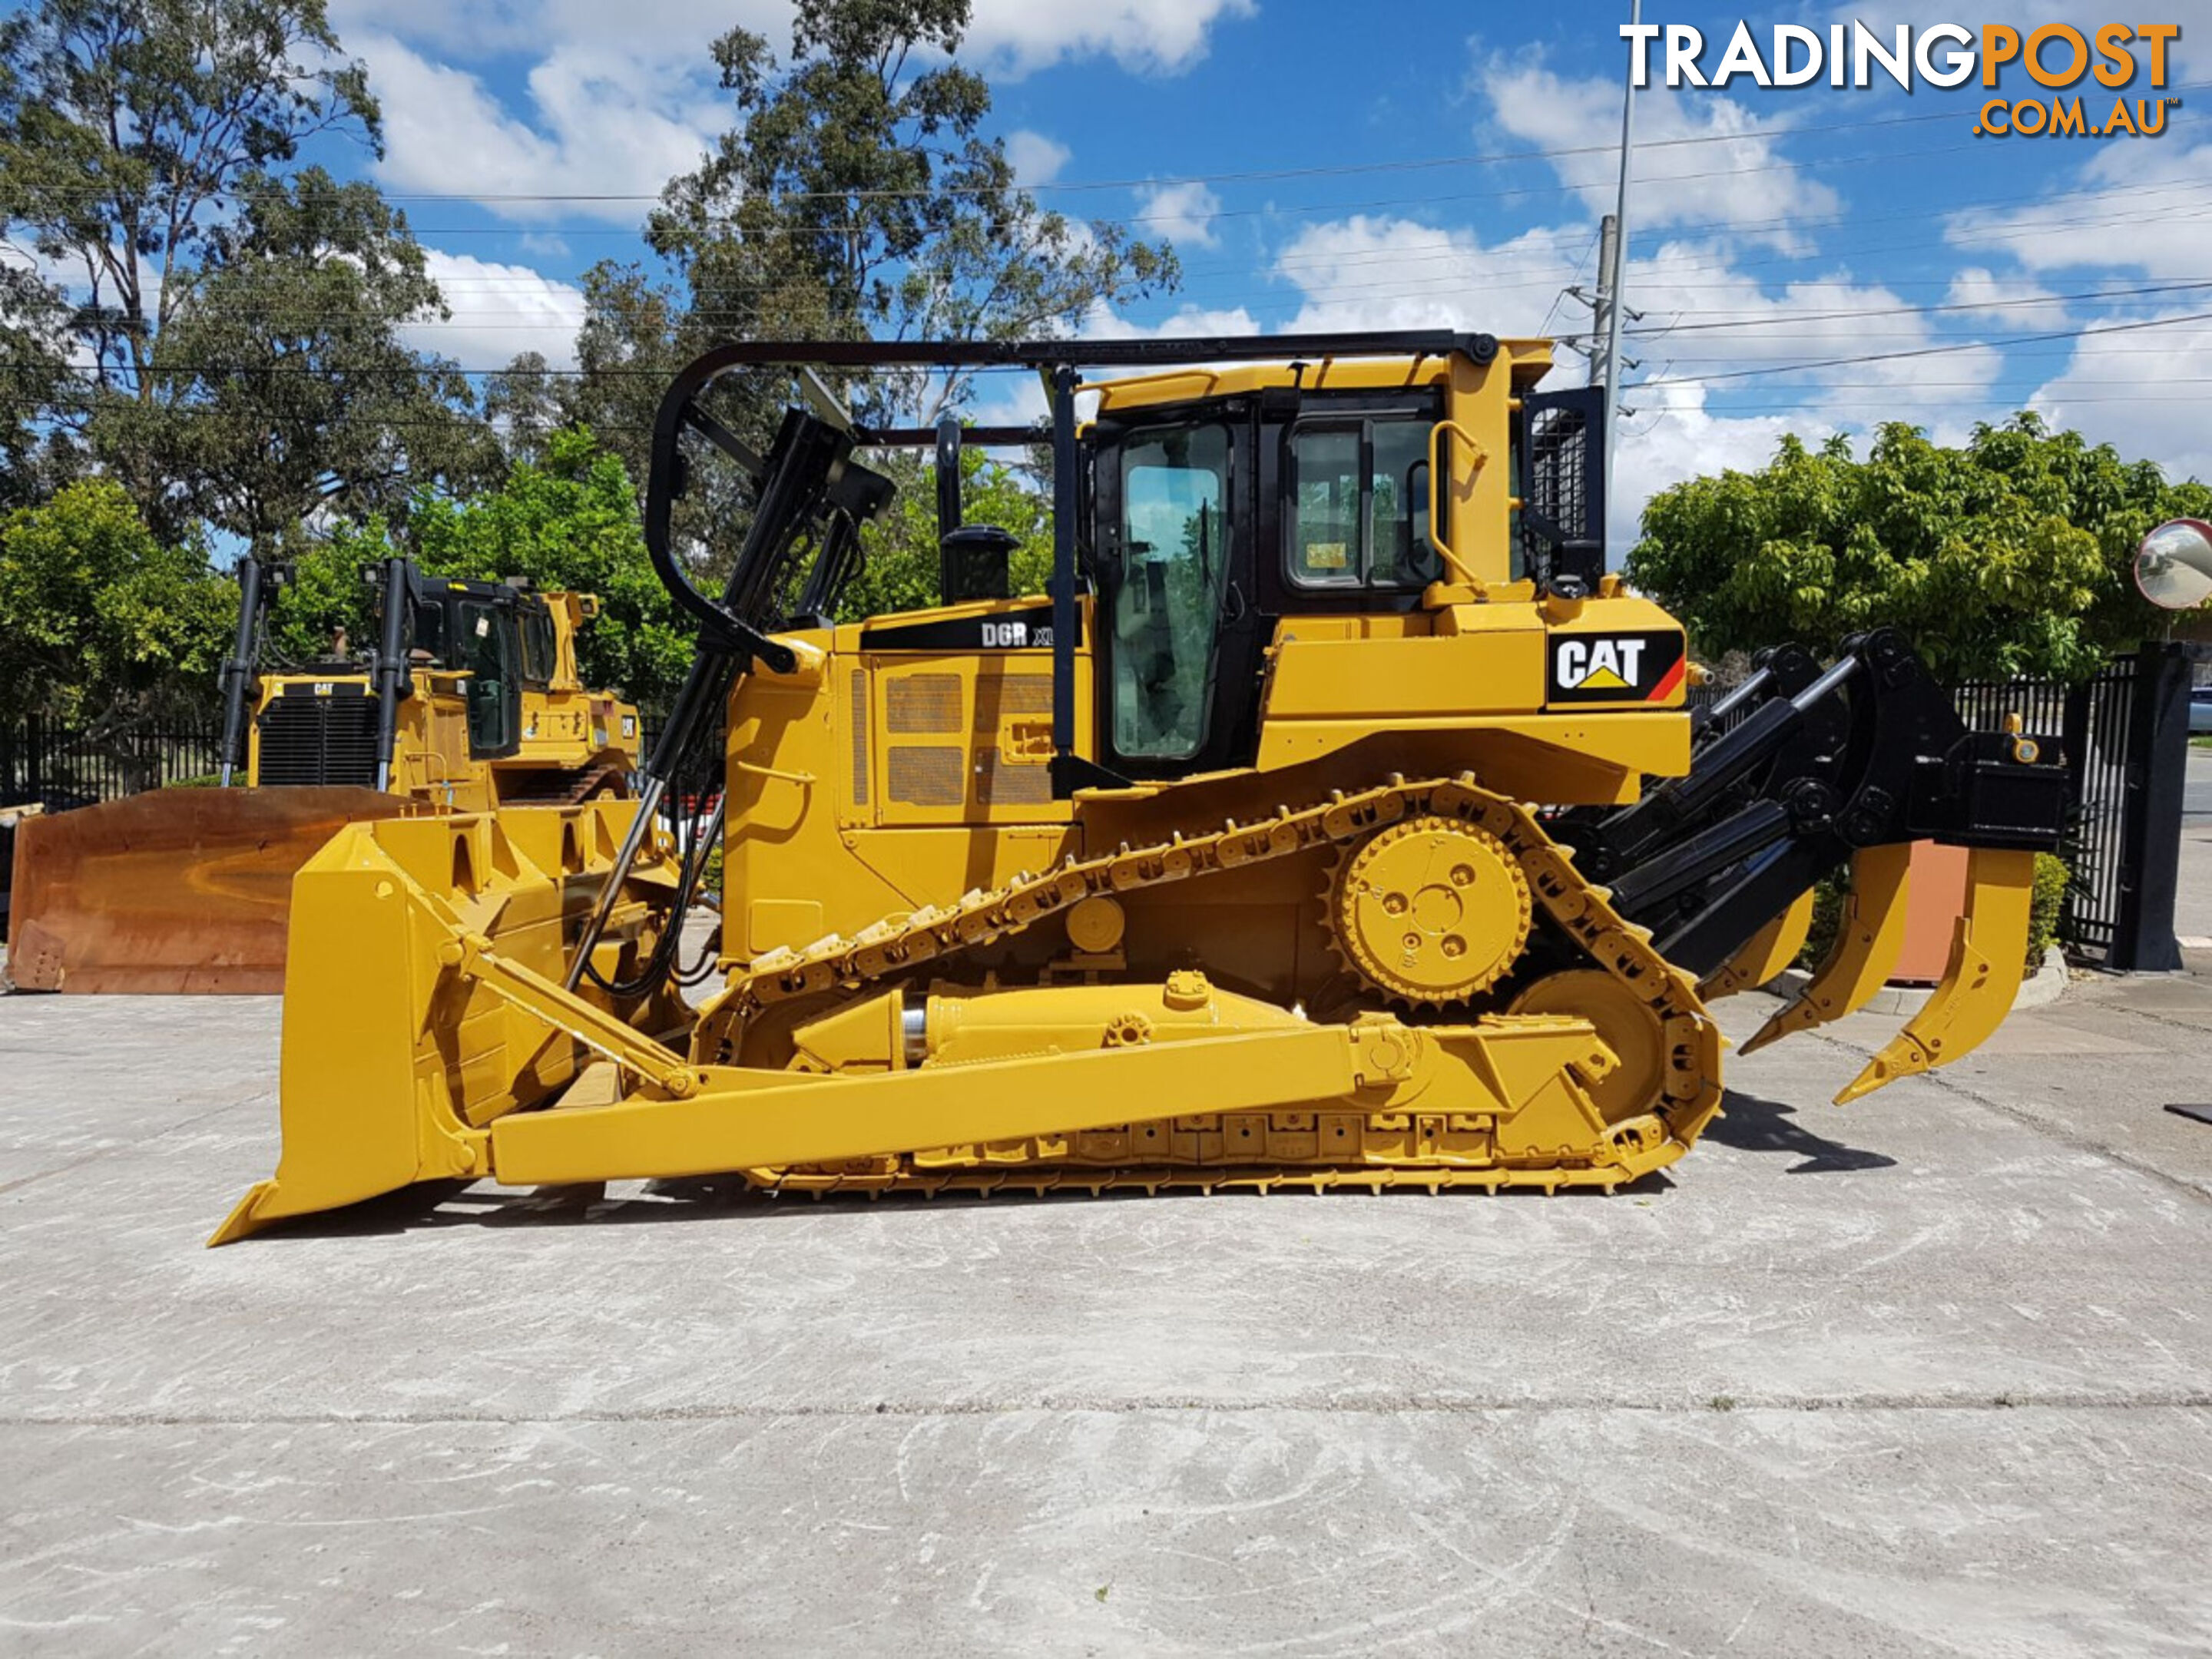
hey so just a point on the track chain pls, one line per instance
(1579, 907)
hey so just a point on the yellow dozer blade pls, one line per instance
(375, 1022)
(172, 890)
(1989, 954)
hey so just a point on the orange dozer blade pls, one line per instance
(174, 889)
(1989, 955)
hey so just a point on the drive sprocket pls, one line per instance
(1431, 910)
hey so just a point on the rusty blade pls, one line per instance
(172, 890)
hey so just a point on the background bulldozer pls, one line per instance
(1335, 819)
(471, 700)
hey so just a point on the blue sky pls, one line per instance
(1768, 231)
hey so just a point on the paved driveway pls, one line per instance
(1927, 1376)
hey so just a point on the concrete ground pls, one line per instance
(1929, 1375)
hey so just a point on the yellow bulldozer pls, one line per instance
(470, 701)
(1334, 819)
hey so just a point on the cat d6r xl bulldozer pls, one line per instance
(471, 700)
(1335, 819)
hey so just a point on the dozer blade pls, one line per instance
(392, 1060)
(1772, 949)
(1868, 936)
(172, 890)
(1988, 952)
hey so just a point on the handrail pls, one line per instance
(1453, 563)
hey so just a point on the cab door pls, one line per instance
(491, 651)
(1173, 566)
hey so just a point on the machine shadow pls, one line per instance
(433, 1206)
(1752, 1124)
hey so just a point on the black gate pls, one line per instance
(2125, 734)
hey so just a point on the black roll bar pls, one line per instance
(237, 675)
(389, 678)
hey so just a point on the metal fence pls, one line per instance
(2124, 734)
(60, 767)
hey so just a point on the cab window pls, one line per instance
(430, 618)
(1174, 542)
(1357, 514)
(538, 647)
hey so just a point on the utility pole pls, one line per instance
(1601, 335)
(1615, 261)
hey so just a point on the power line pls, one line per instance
(1917, 311)
(1928, 351)
(1263, 175)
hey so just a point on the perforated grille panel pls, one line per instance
(1011, 697)
(927, 774)
(923, 704)
(309, 740)
(1003, 785)
(860, 717)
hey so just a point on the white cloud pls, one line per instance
(2144, 399)
(498, 311)
(1378, 272)
(2012, 301)
(599, 129)
(667, 33)
(2142, 204)
(1011, 36)
(1181, 212)
(1673, 437)
(1159, 36)
(1739, 181)
(1035, 159)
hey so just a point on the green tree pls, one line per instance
(100, 620)
(2007, 557)
(568, 522)
(902, 571)
(234, 319)
(854, 196)
(523, 403)
(281, 388)
(634, 337)
(33, 373)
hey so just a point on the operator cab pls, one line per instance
(1283, 492)
(500, 636)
